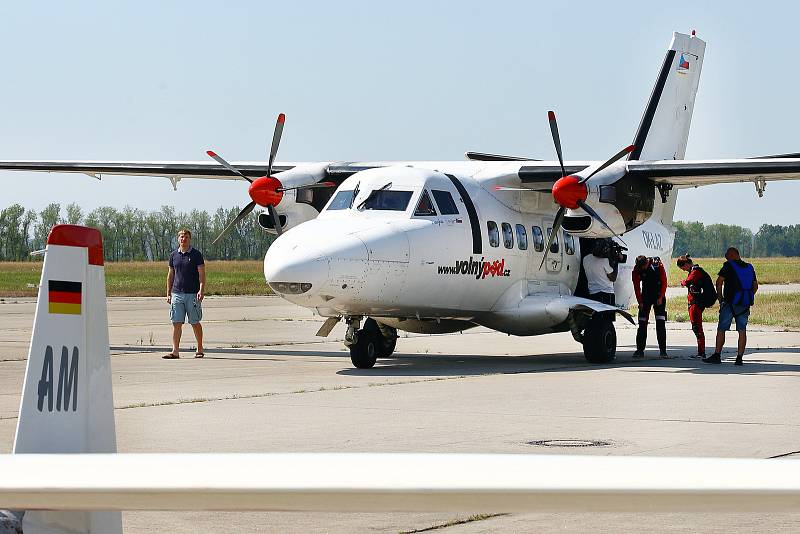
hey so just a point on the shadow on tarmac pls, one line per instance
(421, 364)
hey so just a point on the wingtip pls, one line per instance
(211, 153)
(551, 115)
(281, 118)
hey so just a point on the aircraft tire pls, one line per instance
(600, 340)
(385, 346)
(364, 352)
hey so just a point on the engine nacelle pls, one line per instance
(622, 201)
(299, 205)
(292, 210)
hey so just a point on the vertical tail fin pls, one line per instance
(664, 129)
(67, 404)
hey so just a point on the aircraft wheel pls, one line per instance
(385, 345)
(600, 340)
(364, 352)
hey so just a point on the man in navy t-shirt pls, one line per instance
(186, 283)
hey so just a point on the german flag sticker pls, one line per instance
(64, 297)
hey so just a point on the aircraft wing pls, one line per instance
(171, 169)
(687, 173)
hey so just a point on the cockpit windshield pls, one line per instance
(341, 201)
(387, 199)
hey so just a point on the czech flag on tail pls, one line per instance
(683, 63)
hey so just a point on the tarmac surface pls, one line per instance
(267, 384)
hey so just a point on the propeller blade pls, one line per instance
(308, 186)
(275, 220)
(556, 227)
(615, 157)
(551, 116)
(242, 214)
(227, 165)
(588, 209)
(276, 140)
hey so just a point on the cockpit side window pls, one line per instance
(387, 199)
(445, 202)
(425, 206)
(341, 201)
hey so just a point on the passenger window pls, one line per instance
(494, 235)
(538, 238)
(522, 237)
(341, 201)
(425, 206)
(445, 202)
(508, 236)
(554, 244)
(569, 243)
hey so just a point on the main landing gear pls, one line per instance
(368, 344)
(600, 339)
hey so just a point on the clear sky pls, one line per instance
(168, 80)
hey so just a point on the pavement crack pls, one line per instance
(195, 400)
(471, 519)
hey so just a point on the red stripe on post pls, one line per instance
(71, 235)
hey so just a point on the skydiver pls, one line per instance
(650, 285)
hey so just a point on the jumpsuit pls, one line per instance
(692, 283)
(650, 285)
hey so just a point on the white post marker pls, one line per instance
(67, 404)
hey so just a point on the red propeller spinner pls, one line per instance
(569, 191)
(266, 191)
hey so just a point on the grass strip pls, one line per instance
(771, 309)
(768, 270)
(143, 278)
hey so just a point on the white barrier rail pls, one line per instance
(395, 482)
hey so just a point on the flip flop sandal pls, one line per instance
(198, 355)
(170, 356)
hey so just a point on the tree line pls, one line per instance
(713, 240)
(134, 234)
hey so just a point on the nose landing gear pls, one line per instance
(369, 343)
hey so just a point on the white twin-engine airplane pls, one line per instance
(496, 241)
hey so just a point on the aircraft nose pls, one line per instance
(294, 268)
(304, 265)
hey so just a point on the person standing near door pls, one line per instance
(600, 274)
